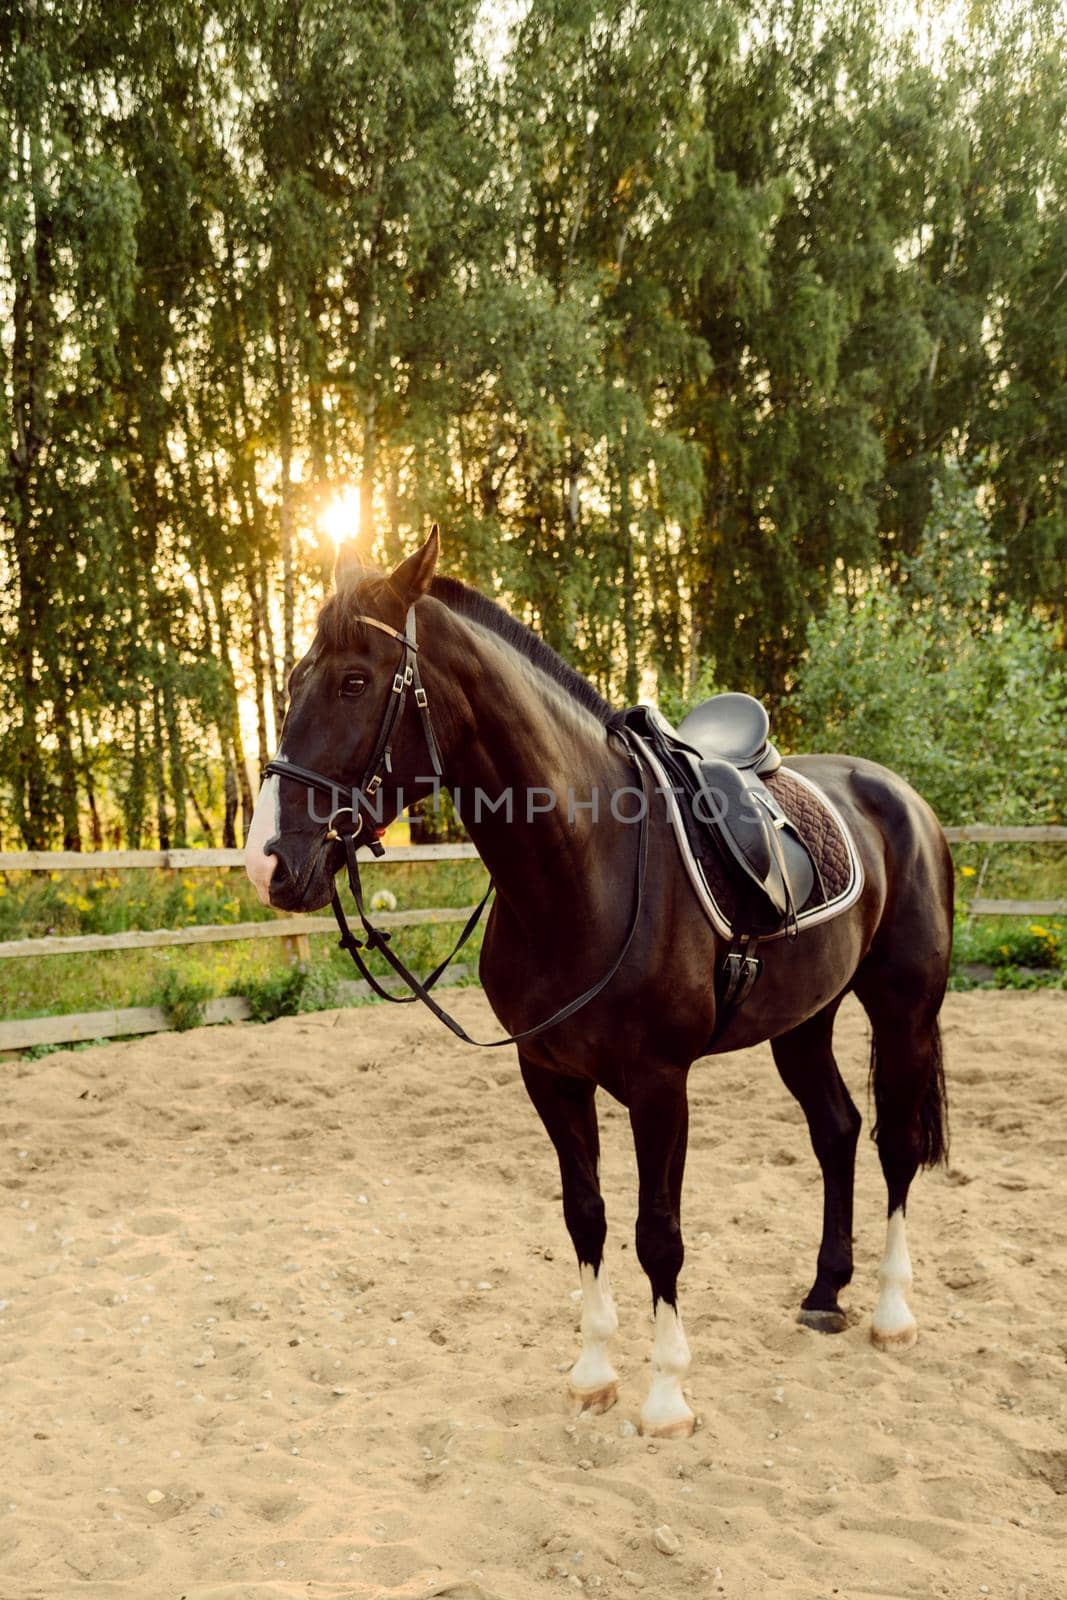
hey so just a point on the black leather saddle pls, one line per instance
(729, 727)
(716, 761)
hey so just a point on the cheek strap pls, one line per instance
(381, 761)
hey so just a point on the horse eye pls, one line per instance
(352, 684)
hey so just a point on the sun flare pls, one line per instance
(340, 517)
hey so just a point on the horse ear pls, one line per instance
(412, 577)
(348, 566)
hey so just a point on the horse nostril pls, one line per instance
(261, 868)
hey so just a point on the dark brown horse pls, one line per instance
(510, 719)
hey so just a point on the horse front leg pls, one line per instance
(567, 1108)
(659, 1118)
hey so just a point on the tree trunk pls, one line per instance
(248, 799)
(319, 469)
(232, 740)
(32, 330)
(96, 832)
(175, 753)
(394, 551)
(369, 325)
(277, 688)
(68, 777)
(229, 789)
(257, 667)
(283, 376)
(632, 675)
(133, 803)
(201, 816)
(162, 819)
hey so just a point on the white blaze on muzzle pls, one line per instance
(266, 824)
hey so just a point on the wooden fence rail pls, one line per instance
(295, 931)
(76, 1027)
(1017, 908)
(182, 860)
(990, 833)
(215, 933)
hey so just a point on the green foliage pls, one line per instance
(929, 677)
(183, 1000)
(34, 987)
(1009, 953)
(678, 316)
(37, 1052)
(288, 992)
(1011, 942)
(112, 902)
(32, 904)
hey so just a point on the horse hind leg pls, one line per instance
(910, 1132)
(805, 1061)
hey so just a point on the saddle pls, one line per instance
(716, 761)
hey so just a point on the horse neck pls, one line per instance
(508, 729)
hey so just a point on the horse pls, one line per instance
(526, 747)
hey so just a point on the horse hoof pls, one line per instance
(900, 1339)
(680, 1428)
(823, 1321)
(595, 1400)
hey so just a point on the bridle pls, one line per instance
(405, 679)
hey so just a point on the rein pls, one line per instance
(405, 678)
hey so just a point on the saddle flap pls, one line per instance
(756, 833)
(742, 825)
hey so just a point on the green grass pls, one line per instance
(1010, 953)
(36, 903)
(1010, 871)
(1018, 952)
(73, 903)
(32, 904)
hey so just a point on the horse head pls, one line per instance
(351, 735)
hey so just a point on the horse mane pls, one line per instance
(478, 608)
(339, 624)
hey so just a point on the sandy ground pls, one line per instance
(283, 1313)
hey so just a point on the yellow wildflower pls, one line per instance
(966, 872)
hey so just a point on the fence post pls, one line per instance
(297, 947)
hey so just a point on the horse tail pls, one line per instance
(930, 1132)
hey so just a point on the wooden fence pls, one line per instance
(295, 931)
(983, 833)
